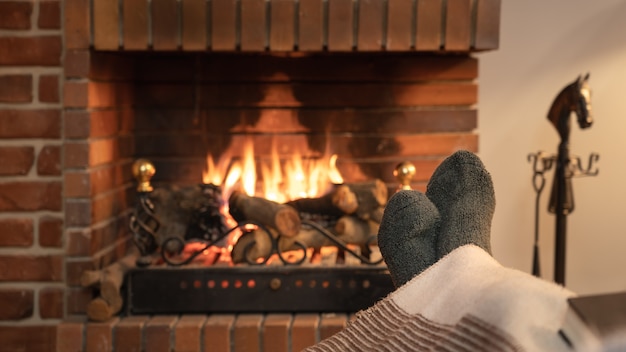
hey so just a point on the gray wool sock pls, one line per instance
(462, 191)
(407, 235)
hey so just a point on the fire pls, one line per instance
(214, 173)
(248, 176)
(280, 181)
(272, 176)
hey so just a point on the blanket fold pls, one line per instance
(466, 301)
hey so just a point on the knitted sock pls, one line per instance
(462, 191)
(407, 236)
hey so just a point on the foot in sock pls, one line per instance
(407, 235)
(462, 190)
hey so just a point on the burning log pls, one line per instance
(186, 212)
(310, 238)
(172, 208)
(370, 196)
(377, 215)
(363, 199)
(109, 280)
(346, 200)
(328, 255)
(251, 246)
(329, 204)
(257, 244)
(357, 231)
(353, 260)
(349, 229)
(354, 230)
(282, 217)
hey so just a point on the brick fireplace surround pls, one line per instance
(85, 91)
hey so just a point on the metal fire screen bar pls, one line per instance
(254, 289)
(181, 289)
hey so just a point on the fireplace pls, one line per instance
(374, 110)
(376, 82)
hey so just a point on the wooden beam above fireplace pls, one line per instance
(290, 25)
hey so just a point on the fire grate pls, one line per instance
(255, 289)
(183, 286)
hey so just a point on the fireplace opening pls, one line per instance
(368, 112)
(322, 244)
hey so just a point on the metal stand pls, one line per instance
(574, 98)
(244, 226)
(143, 223)
(209, 230)
(541, 164)
(561, 200)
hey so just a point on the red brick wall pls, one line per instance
(31, 207)
(97, 155)
(65, 182)
(72, 120)
(202, 333)
(98, 151)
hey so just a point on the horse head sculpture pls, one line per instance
(574, 97)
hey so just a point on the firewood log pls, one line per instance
(339, 201)
(112, 275)
(370, 196)
(308, 237)
(354, 230)
(260, 244)
(174, 208)
(101, 310)
(260, 247)
(326, 204)
(109, 280)
(350, 259)
(365, 199)
(345, 199)
(284, 218)
(328, 255)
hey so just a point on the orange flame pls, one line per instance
(281, 181)
(248, 176)
(215, 173)
(272, 177)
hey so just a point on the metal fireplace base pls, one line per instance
(254, 289)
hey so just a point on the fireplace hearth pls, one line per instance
(274, 289)
(197, 280)
(98, 84)
(373, 110)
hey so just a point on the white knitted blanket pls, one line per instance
(466, 301)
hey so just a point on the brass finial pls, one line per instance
(143, 170)
(404, 173)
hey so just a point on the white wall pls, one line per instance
(545, 45)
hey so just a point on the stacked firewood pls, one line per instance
(352, 212)
(356, 210)
(107, 284)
